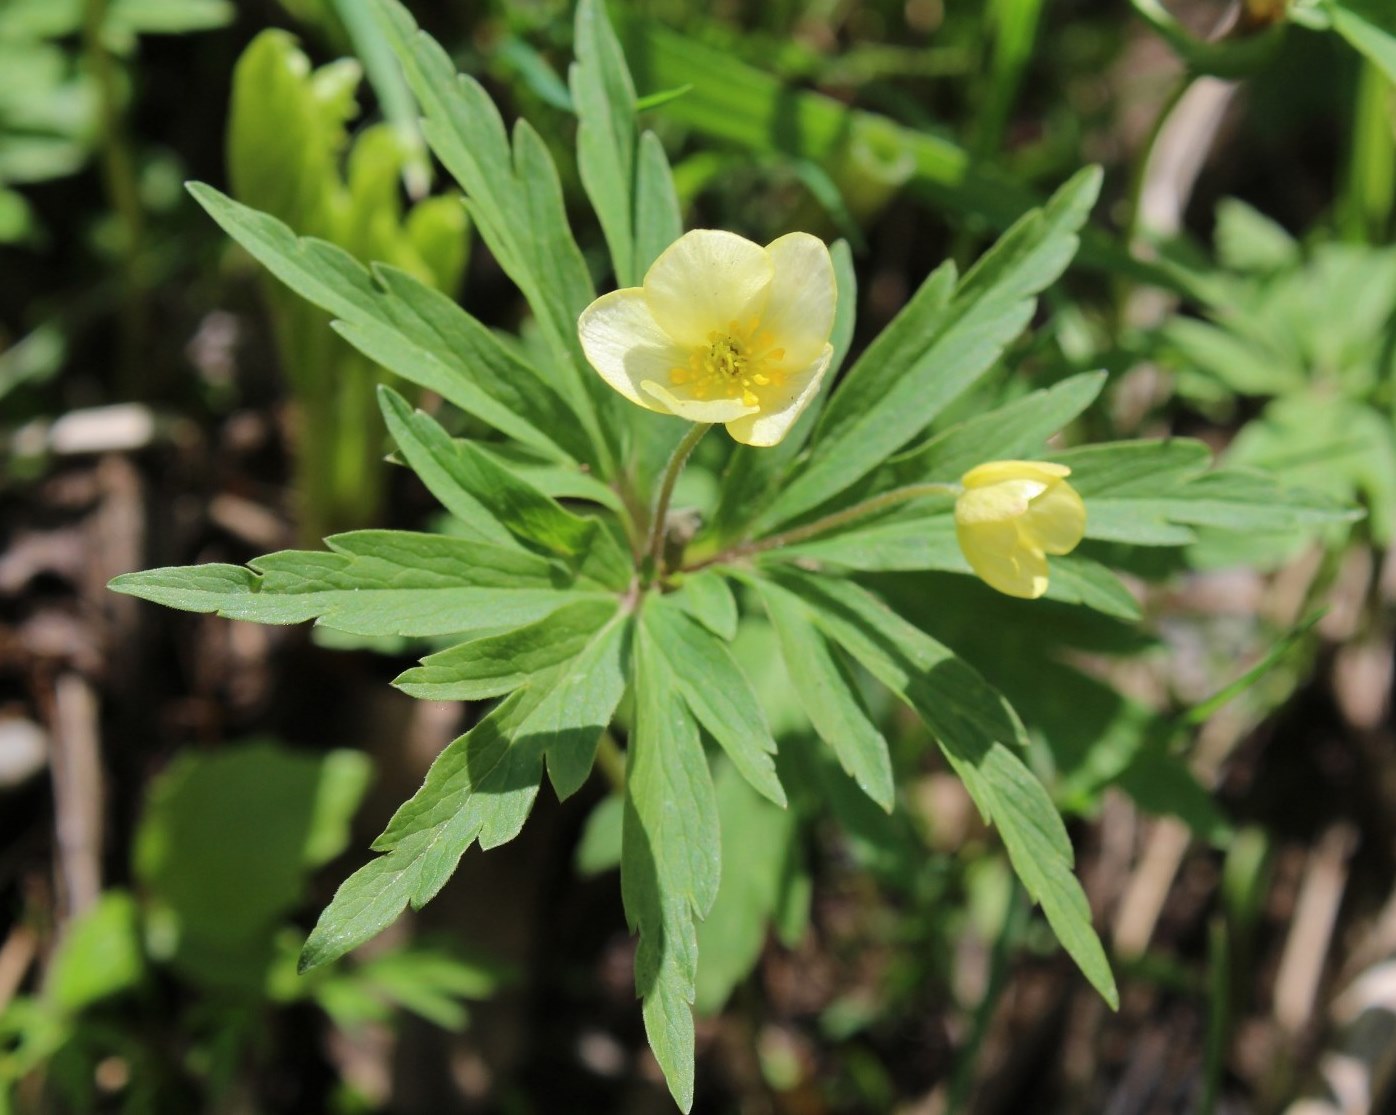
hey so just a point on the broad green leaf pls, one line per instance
(412, 330)
(830, 695)
(498, 664)
(716, 690)
(99, 955)
(936, 348)
(757, 847)
(670, 858)
(535, 519)
(227, 843)
(515, 198)
(979, 736)
(481, 787)
(369, 583)
(603, 96)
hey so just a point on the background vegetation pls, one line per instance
(179, 795)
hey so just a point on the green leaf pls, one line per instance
(481, 787)
(531, 517)
(708, 598)
(498, 664)
(1016, 431)
(937, 348)
(604, 99)
(924, 541)
(228, 840)
(757, 850)
(360, 20)
(516, 201)
(369, 583)
(979, 736)
(830, 695)
(716, 690)
(412, 330)
(1150, 492)
(670, 859)
(99, 955)
(1370, 26)
(658, 219)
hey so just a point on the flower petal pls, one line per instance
(1056, 520)
(781, 407)
(1044, 472)
(625, 344)
(800, 314)
(695, 410)
(999, 556)
(705, 280)
(1004, 502)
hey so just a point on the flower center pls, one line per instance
(735, 364)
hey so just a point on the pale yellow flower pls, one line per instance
(723, 330)
(1011, 515)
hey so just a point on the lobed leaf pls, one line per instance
(481, 787)
(979, 734)
(670, 858)
(515, 199)
(370, 582)
(830, 695)
(714, 687)
(410, 329)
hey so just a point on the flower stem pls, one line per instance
(658, 522)
(829, 522)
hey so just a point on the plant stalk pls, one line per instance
(828, 522)
(677, 460)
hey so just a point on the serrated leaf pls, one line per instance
(1150, 492)
(498, 664)
(370, 582)
(516, 201)
(481, 787)
(670, 859)
(411, 329)
(936, 348)
(1015, 431)
(757, 848)
(717, 691)
(830, 695)
(979, 736)
(535, 519)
